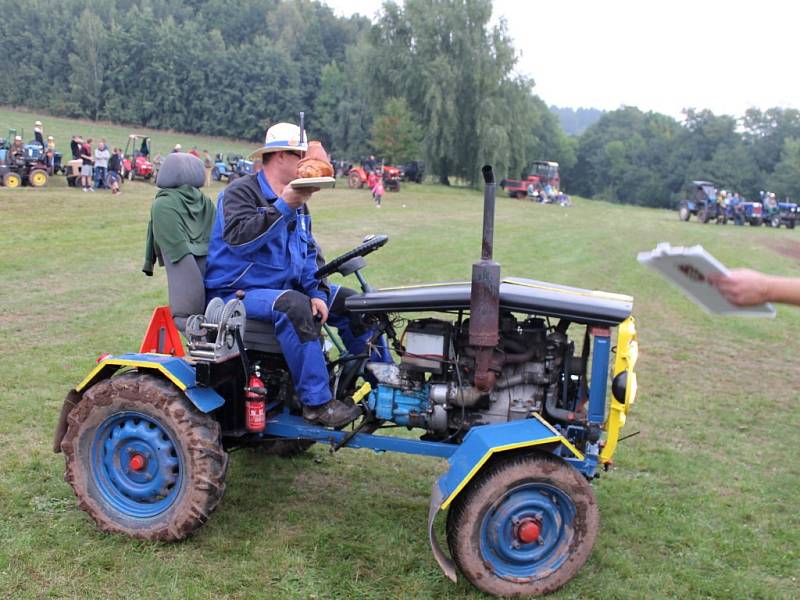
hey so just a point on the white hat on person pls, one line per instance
(37, 124)
(282, 137)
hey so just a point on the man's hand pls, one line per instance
(319, 310)
(296, 198)
(743, 287)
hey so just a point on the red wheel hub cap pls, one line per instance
(137, 462)
(528, 531)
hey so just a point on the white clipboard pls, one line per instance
(688, 268)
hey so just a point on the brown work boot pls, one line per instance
(334, 413)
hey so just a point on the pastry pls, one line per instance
(315, 163)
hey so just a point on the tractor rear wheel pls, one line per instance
(37, 178)
(12, 180)
(524, 526)
(142, 459)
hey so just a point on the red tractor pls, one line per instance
(136, 161)
(357, 177)
(539, 174)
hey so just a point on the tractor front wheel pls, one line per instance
(143, 460)
(12, 180)
(684, 214)
(524, 526)
(38, 178)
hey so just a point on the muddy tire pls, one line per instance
(143, 460)
(524, 526)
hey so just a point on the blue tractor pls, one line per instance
(701, 202)
(780, 213)
(233, 167)
(520, 385)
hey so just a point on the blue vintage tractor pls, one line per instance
(701, 202)
(753, 213)
(521, 385)
(233, 167)
(781, 213)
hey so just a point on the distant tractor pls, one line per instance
(782, 213)
(753, 213)
(358, 175)
(702, 202)
(25, 165)
(539, 174)
(233, 167)
(136, 159)
(413, 171)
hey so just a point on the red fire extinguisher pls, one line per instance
(255, 416)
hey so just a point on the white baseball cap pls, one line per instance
(280, 137)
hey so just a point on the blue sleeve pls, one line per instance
(247, 225)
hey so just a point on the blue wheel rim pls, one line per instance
(510, 557)
(140, 487)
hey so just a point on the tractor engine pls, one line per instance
(433, 387)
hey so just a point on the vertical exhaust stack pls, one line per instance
(484, 305)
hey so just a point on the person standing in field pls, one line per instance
(114, 170)
(101, 157)
(86, 168)
(38, 134)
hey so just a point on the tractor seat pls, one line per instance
(187, 294)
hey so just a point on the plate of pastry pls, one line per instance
(316, 182)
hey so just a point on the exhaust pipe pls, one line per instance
(484, 304)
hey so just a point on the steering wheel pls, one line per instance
(370, 244)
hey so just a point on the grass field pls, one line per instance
(162, 142)
(702, 504)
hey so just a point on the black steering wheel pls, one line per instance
(370, 244)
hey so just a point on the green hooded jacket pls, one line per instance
(180, 224)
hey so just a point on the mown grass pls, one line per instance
(702, 504)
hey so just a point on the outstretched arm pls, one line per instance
(744, 287)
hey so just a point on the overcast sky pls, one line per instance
(661, 56)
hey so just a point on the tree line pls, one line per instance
(428, 79)
(634, 157)
(404, 86)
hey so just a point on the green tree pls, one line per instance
(785, 180)
(88, 64)
(395, 134)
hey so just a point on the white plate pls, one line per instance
(317, 182)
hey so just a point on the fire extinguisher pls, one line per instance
(255, 416)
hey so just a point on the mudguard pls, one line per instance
(479, 445)
(177, 370)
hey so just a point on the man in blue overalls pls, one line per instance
(261, 243)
